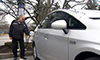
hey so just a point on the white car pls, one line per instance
(68, 35)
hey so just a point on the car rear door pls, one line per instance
(76, 30)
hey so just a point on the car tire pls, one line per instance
(34, 52)
(93, 58)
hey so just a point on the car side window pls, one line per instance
(72, 23)
(75, 24)
(44, 22)
(59, 15)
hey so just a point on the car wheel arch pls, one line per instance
(84, 55)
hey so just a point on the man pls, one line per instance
(16, 33)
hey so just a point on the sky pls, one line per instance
(10, 18)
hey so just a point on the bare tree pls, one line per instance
(36, 10)
(4, 26)
(89, 4)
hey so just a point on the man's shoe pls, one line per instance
(23, 58)
(15, 58)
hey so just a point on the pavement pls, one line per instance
(28, 58)
(6, 56)
(10, 55)
(4, 39)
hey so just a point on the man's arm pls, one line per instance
(26, 30)
(10, 30)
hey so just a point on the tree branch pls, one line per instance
(7, 13)
(30, 15)
(10, 8)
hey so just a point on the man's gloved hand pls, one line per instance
(31, 33)
(10, 38)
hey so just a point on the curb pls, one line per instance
(10, 55)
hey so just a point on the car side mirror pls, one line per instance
(59, 24)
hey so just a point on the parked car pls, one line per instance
(68, 34)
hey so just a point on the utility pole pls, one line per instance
(21, 4)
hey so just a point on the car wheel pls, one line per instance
(34, 52)
(93, 58)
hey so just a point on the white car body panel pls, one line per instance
(85, 41)
(51, 44)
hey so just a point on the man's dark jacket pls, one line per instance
(17, 29)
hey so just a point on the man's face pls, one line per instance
(21, 19)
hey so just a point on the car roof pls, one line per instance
(80, 13)
(85, 16)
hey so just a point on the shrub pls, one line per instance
(28, 46)
(8, 44)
